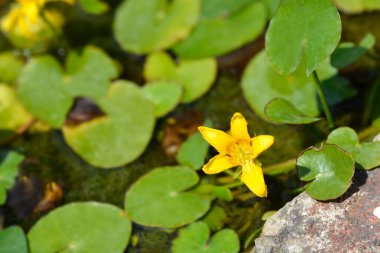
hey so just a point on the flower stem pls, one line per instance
(368, 108)
(322, 97)
(233, 185)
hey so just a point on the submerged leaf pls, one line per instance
(161, 199)
(329, 169)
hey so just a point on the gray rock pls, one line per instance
(348, 224)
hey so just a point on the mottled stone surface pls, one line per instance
(348, 224)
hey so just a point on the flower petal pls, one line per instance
(216, 138)
(252, 176)
(261, 143)
(239, 127)
(218, 164)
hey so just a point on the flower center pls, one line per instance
(241, 151)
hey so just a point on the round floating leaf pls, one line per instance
(223, 27)
(120, 136)
(12, 114)
(143, 26)
(87, 227)
(42, 91)
(159, 66)
(164, 95)
(10, 67)
(160, 198)
(261, 83)
(302, 34)
(12, 240)
(358, 6)
(93, 6)
(330, 169)
(347, 53)
(88, 73)
(9, 162)
(280, 110)
(48, 93)
(196, 239)
(366, 154)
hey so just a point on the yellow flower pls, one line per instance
(238, 148)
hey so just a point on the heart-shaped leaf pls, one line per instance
(330, 169)
(81, 227)
(164, 95)
(120, 136)
(366, 154)
(223, 27)
(13, 115)
(357, 6)
(48, 93)
(280, 110)
(196, 239)
(302, 34)
(9, 162)
(143, 26)
(261, 83)
(159, 66)
(347, 53)
(160, 198)
(12, 240)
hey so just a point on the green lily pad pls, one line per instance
(12, 114)
(315, 32)
(10, 67)
(121, 135)
(164, 95)
(357, 6)
(196, 239)
(261, 83)
(93, 6)
(193, 151)
(48, 93)
(12, 240)
(88, 73)
(215, 218)
(160, 199)
(223, 26)
(330, 170)
(9, 162)
(143, 26)
(159, 66)
(42, 91)
(87, 227)
(280, 110)
(366, 154)
(347, 53)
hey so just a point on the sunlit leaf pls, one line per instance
(94, 6)
(329, 169)
(302, 34)
(10, 67)
(143, 26)
(121, 135)
(9, 163)
(223, 27)
(161, 199)
(196, 239)
(358, 6)
(164, 95)
(347, 53)
(12, 240)
(81, 228)
(366, 154)
(159, 66)
(280, 110)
